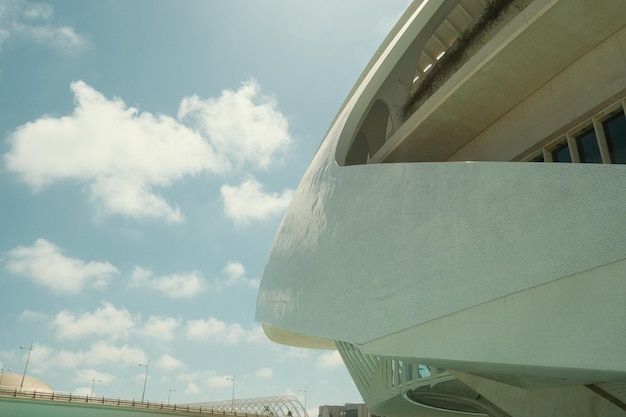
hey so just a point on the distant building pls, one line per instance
(460, 235)
(347, 410)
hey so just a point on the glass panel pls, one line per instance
(409, 371)
(615, 131)
(588, 148)
(561, 154)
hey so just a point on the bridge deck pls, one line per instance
(14, 402)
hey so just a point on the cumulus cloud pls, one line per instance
(256, 336)
(106, 321)
(264, 373)
(122, 154)
(218, 381)
(235, 274)
(244, 125)
(192, 388)
(169, 363)
(98, 354)
(210, 379)
(127, 157)
(33, 22)
(89, 374)
(33, 315)
(44, 263)
(330, 360)
(216, 330)
(298, 353)
(174, 286)
(248, 201)
(234, 271)
(161, 328)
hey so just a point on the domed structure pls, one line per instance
(30, 383)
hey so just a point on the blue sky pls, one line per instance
(149, 149)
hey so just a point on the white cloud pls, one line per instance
(256, 336)
(35, 11)
(34, 22)
(215, 330)
(298, 353)
(125, 157)
(210, 379)
(107, 321)
(264, 373)
(120, 153)
(33, 315)
(169, 363)
(244, 125)
(235, 274)
(89, 375)
(248, 201)
(45, 264)
(218, 381)
(329, 360)
(39, 357)
(174, 286)
(192, 388)
(99, 354)
(161, 328)
(234, 270)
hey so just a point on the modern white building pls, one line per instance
(455, 273)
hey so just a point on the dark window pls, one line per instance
(538, 158)
(561, 153)
(588, 148)
(615, 132)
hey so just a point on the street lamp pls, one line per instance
(30, 349)
(145, 380)
(2, 375)
(170, 393)
(93, 384)
(304, 390)
(232, 401)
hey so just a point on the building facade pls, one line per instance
(463, 219)
(346, 410)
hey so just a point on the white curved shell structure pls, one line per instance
(454, 272)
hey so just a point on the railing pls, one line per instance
(117, 402)
(381, 378)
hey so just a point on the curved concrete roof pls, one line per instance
(30, 383)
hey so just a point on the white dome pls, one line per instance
(30, 383)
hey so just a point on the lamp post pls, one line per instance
(304, 390)
(93, 384)
(145, 380)
(232, 401)
(30, 349)
(2, 375)
(170, 393)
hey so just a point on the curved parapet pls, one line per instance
(422, 241)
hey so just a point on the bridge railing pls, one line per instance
(46, 395)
